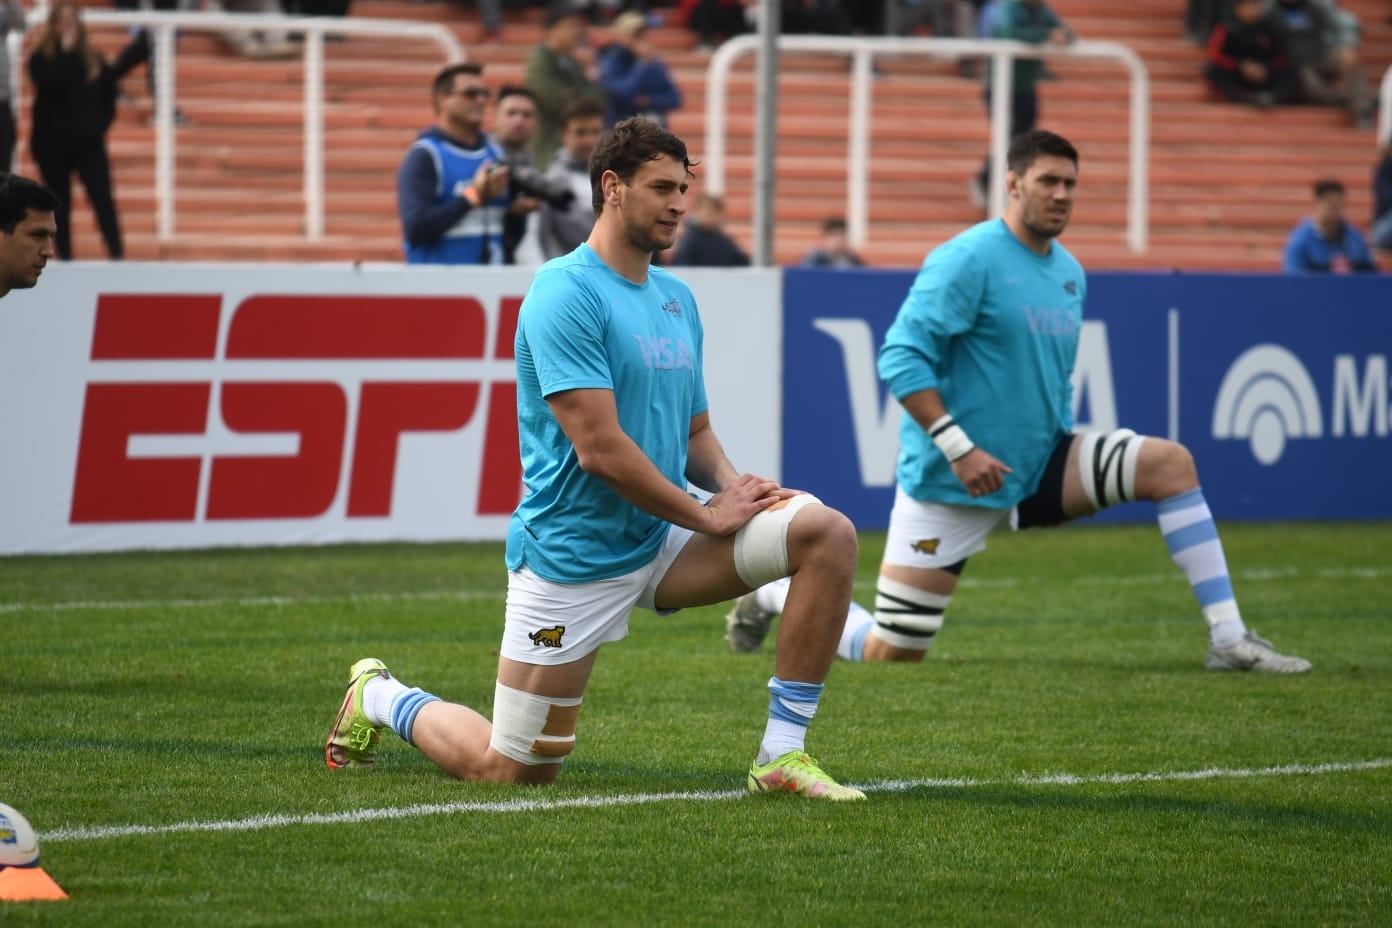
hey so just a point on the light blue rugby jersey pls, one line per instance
(994, 327)
(582, 325)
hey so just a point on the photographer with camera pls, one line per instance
(563, 228)
(514, 124)
(454, 187)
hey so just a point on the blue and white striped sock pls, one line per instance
(791, 707)
(1187, 526)
(405, 706)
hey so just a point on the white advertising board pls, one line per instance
(189, 406)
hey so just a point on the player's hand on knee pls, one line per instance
(739, 502)
(980, 473)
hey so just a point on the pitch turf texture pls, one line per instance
(1061, 758)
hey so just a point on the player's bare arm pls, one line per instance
(977, 469)
(591, 422)
(706, 464)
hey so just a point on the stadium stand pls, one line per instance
(1226, 182)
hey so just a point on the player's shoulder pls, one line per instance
(668, 282)
(1065, 260)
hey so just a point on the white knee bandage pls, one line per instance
(761, 544)
(907, 617)
(1107, 466)
(533, 729)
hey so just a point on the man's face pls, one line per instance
(466, 102)
(1329, 210)
(580, 135)
(515, 121)
(1247, 11)
(652, 206)
(567, 33)
(1044, 194)
(25, 251)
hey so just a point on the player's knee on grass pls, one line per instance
(535, 731)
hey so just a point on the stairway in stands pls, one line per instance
(1226, 182)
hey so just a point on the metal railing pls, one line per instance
(163, 26)
(1002, 54)
(1384, 124)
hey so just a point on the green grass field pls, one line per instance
(1061, 758)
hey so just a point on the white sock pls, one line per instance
(378, 694)
(859, 624)
(780, 737)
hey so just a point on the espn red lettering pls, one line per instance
(109, 486)
(500, 481)
(385, 412)
(280, 487)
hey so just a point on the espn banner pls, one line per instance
(1278, 385)
(176, 405)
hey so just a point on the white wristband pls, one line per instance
(950, 439)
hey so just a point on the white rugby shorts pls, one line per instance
(937, 534)
(557, 623)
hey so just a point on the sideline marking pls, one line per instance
(261, 822)
(1252, 575)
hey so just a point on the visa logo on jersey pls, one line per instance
(286, 405)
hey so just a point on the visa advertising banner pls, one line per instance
(1278, 385)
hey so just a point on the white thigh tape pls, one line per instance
(533, 729)
(761, 544)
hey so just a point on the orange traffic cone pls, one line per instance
(22, 884)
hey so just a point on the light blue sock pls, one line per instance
(1192, 538)
(405, 707)
(859, 624)
(791, 707)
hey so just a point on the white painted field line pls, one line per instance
(262, 822)
(1254, 575)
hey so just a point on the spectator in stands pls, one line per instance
(28, 232)
(1323, 44)
(451, 191)
(834, 249)
(1202, 15)
(633, 76)
(557, 77)
(564, 228)
(514, 126)
(1382, 198)
(1029, 21)
(710, 19)
(1247, 58)
(254, 43)
(11, 20)
(74, 105)
(1325, 242)
(704, 242)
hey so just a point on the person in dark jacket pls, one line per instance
(635, 79)
(1247, 58)
(74, 105)
(1382, 199)
(703, 241)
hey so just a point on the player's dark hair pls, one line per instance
(833, 224)
(516, 90)
(1027, 147)
(627, 147)
(1327, 186)
(444, 81)
(18, 195)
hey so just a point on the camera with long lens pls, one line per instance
(526, 180)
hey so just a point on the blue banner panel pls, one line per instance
(1278, 385)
